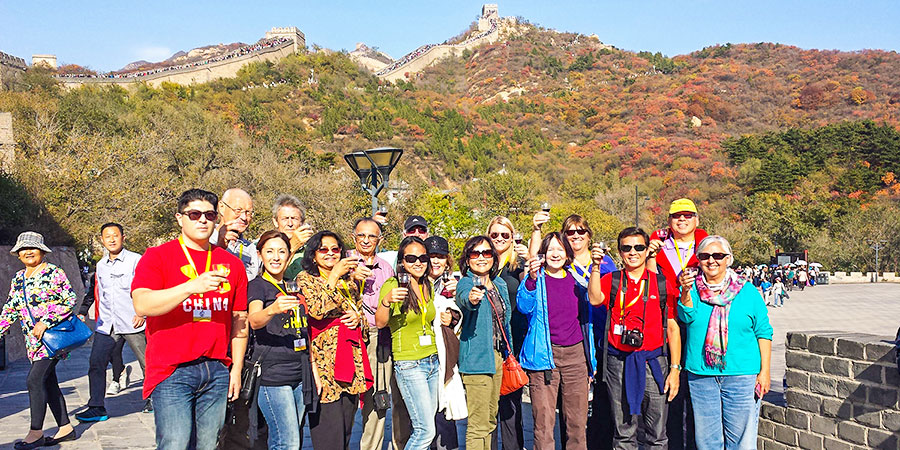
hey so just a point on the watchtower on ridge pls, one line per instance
(290, 33)
(489, 12)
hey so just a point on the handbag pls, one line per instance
(381, 397)
(250, 375)
(63, 337)
(514, 376)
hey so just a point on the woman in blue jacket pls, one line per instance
(482, 296)
(556, 352)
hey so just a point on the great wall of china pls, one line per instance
(284, 41)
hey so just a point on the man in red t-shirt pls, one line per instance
(635, 342)
(194, 296)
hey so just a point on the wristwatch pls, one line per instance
(675, 366)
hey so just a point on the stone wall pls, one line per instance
(842, 393)
(61, 256)
(194, 75)
(11, 69)
(7, 142)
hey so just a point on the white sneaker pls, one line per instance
(113, 388)
(125, 377)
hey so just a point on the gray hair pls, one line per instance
(288, 200)
(713, 239)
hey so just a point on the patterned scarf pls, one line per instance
(716, 343)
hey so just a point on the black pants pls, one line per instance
(509, 422)
(43, 391)
(446, 437)
(332, 425)
(118, 364)
(600, 423)
(102, 351)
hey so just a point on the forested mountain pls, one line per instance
(780, 147)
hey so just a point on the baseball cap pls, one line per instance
(437, 245)
(682, 205)
(414, 221)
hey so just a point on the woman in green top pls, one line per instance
(407, 306)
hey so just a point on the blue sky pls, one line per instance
(106, 35)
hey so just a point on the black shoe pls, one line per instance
(92, 414)
(22, 445)
(51, 441)
(148, 407)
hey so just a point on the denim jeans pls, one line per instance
(283, 408)
(418, 382)
(726, 414)
(189, 406)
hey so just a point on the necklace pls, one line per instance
(34, 270)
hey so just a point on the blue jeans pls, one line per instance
(418, 382)
(283, 408)
(726, 414)
(189, 406)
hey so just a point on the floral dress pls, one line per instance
(49, 298)
(328, 304)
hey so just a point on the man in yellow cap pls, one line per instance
(671, 250)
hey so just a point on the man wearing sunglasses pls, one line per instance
(671, 250)
(413, 226)
(236, 212)
(640, 323)
(196, 309)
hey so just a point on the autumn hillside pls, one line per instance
(781, 147)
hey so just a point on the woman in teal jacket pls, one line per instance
(556, 352)
(728, 349)
(482, 296)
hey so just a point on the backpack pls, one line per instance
(614, 293)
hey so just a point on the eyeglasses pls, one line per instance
(580, 231)
(717, 256)
(411, 259)
(417, 230)
(368, 237)
(686, 215)
(327, 250)
(239, 211)
(504, 235)
(438, 255)
(474, 254)
(627, 248)
(194, 215)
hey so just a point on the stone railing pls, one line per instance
(861, 277)
(13, 61)
(842, 393)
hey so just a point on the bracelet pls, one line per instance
(675, 366)
(382, 304)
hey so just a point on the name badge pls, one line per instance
(202, 315)
(299, 345)
(424, 340)
(617, 330)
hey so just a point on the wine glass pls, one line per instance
(546, 207)
(518, 238)
(403, 279)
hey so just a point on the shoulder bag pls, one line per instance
(514, 376)
(63, 337)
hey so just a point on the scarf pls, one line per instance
(716, 343)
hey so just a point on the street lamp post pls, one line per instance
(373, 167)
(636, 213)
(878, 246)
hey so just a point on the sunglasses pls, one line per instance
(580, 232)
(417, 230)
(327, 250)
(627, 248)
(504, 235)
(474, 254)
(411, 259)
(686, 215)
(716, 256)
(194, 215)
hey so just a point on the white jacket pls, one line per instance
(451, 395)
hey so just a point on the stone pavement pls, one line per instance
(873, 309)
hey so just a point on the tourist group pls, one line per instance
(243, 343)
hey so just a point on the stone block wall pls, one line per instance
(843, 392)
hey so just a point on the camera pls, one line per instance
(382, 400)
(633, 338)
